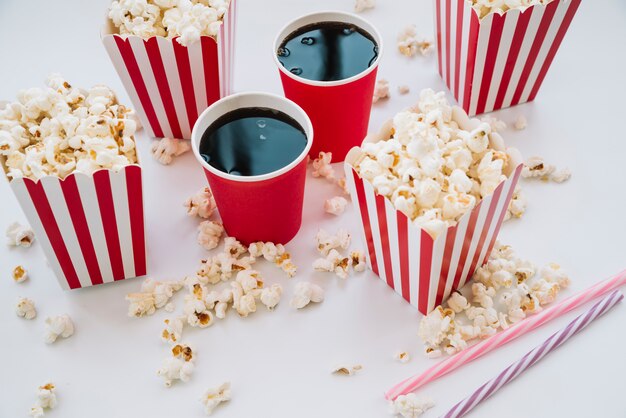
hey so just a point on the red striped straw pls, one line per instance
(534, 356)
(503, 337)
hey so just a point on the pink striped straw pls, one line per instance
(503, 337)
(533, 356)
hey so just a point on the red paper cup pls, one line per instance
(339, 110)
(501, 60)
(266, 207)
(90, 227)
(170, 84)
(423, 270)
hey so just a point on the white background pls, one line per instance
(279, 362)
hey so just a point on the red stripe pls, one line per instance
(472, 43)
(459, 41)
(403, 247)
(365, 219)
(211, 70)
(126, 51)
(487, 224)
(544, 25)
(426, 257)
(384, 238)
(439, 30)
(516, 175)
(448, 30)
(46, 216)
(135, 207)
(511, 60)
(109, 223)
(156, 62)
(497, 25)
(569, 15)
(445, 268)
(467, 242)
(77, 215)
(186, 80)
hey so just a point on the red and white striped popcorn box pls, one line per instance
(91, 227)
(500, 60)
(170, 84)
(423, 270)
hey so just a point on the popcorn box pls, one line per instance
(91, 227)
(501, 60)
(423, 270)
(170, 84)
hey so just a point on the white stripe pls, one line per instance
(555, 25)
(141, 55)
(87, 189)
(504, 47)
(176, 89)
(478, 230)
(479, 66)
(220, 62)
(357, 208)
(444, 35)
(197, 75)
(373, 214)
(529, 37)
(453, 63)
(119, 191)
(122, 71)
(394, 244)
(54, 193)
(459, 239)
(439, 248)
(28, 207)
(231, 52)
(467, 19)
(415, 250)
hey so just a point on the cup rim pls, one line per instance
(196, 137)
(339, 16)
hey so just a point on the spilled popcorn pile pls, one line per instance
(332, 260)
(61, 129)
(186, 19)
(435, 163)
(485, 7)
(410, 43)
(503, 291)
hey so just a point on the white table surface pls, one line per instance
(278, 362)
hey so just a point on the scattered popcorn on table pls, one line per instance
(321, 166)
(334, 262)
(327, 242)
(19, 274)
(520, 123)
(165, 149)
(153, 295)
(436, 163)
(361, 5)
(214, 396)
(561, 176)
(179, 366)
(536, 167)
(496, 124)
(141, 304)
(336, 205)
(201, 204)
(187, 20)
(305, 293)
(61, 129)
(381, 91)
(58, 326)
(46, 399)
(502, 292)
(404, 89)
(270, 296)
(358, 261)
(209, 234)
(347, 370)
(409, 43)
(173, 330)
(410, 406)
(18, 235)
(25, 308)
(485, 7)
(402, 356)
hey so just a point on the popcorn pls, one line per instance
(381, 91)
(201, 204)
(327, 242)
(517, 206)
(270, 296)
(561, 176)
(334, 262)
(358, 261)
(404, 89)
(347, 370)
(410, 406)
(46, 399)
(321, 166)
(435, 326)
(19, 274)
(536, 167)
(214, 396)
(520, 123)
(496, 124)
(361, 5)
(165, 149)
(485, 7)
(274, 253)
(173, 330)
(195, 309)
(409, 43)
(209, 234)
(58, 326)
(25, 308)
(249, 280)
(336, 205)
(179, 366)
(245, 304)
(304, 293)
(61, 129)
(457, 302)
(402, 356)
(18, 235)
(141, 304)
